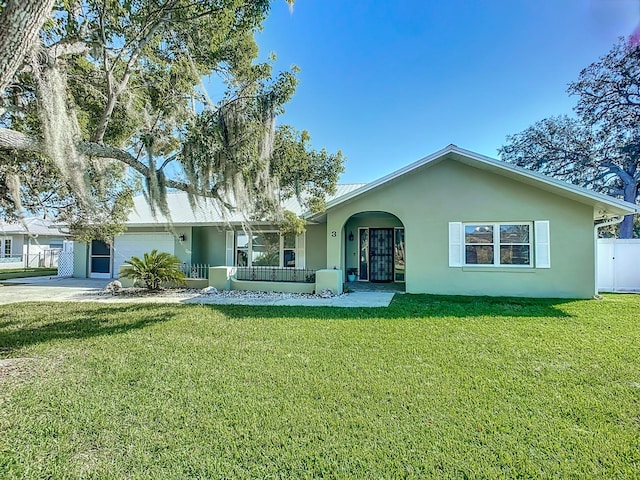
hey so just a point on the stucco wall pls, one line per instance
(428, 199)
(316, 246)
(209, 245)
(183, 250)
(80, 259)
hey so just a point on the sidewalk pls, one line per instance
(54, 289)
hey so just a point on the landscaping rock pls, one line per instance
(113, 287)
(326, 293)
(209, 291)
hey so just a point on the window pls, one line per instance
(497, 244)
(55, 244)
(242, 249)
(289, 250)
(265, 249)
(6, 247)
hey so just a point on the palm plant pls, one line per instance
(154, 269)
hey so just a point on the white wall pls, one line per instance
(618, 265)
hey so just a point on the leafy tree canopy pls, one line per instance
(120, 83)
(600, 147)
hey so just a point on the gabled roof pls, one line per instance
(603, 205)
(31, 226)
(207, 212)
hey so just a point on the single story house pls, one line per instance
(454, 222)
(33, 242)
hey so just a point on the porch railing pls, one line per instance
(11, 259)
(276, 274)
(195, 270)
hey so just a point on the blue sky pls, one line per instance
(389, 82)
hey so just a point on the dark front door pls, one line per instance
(381, 254)
(100, 260)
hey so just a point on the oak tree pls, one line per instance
(600, 147)
(117, 83)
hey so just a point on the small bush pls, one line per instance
(154, 269)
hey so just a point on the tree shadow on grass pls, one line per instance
(414, 306)
(22, 325)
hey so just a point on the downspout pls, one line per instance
(614, 221)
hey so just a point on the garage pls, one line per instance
(137, 244)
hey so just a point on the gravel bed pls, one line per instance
(207, 292)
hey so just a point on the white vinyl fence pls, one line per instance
(618, 265)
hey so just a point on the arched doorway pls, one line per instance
(375, 248)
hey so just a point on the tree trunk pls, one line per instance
(630, 195)
(626, 227)
(20, 23)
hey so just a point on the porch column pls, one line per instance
(335, 242)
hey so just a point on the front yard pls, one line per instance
(6, 274)
(430, 387)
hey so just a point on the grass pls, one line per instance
(440, 387)
(27, 272)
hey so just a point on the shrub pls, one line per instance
(154, 269)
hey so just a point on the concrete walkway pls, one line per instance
(54, 289)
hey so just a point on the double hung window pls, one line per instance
(265, 249)
(497, 244)
(6, 247)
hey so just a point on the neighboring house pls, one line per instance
(33, 242)
(454, 222)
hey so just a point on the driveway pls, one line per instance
(47, 289)
(54, 289)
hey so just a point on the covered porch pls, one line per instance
(374, 251)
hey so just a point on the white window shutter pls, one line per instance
(230, 240)
(300, 250)
(456, 236)
(542, 244)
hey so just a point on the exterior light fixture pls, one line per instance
(182, 237)
(351, 236)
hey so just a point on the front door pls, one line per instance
(381, 254)
(100, 260)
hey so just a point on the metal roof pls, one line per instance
(31, 226)
(207, 211)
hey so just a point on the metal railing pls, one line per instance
(195, 270)
(11, 259)
(276, 274)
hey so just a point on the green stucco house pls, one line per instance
(454, 222)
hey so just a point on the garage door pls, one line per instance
(137, 244)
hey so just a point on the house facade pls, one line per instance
(454, 222)
(33, 242)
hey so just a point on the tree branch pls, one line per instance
(13, 140)
(116, 91)
(64, 49)
(20, 23)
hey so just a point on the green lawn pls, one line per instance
(432, 387)
(6, 274)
